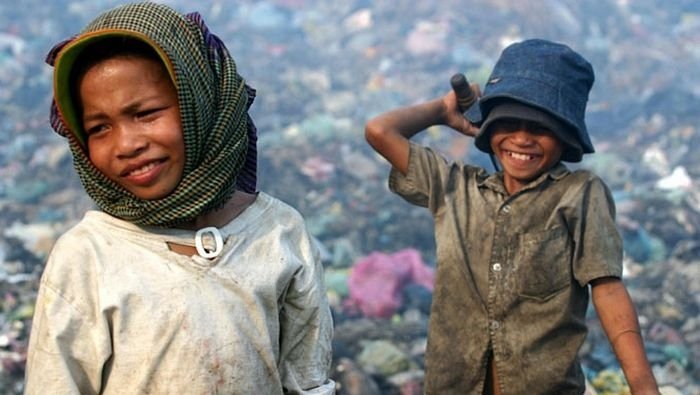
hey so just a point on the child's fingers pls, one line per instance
(469, 128)
(458, 122)
(476, 89)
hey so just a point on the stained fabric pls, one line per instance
(512, 273)
(253, 320)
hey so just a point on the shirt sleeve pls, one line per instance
(423, 183)
(306, 330)
(598, 245)
(68, 346)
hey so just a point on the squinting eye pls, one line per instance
(506, 125)
(148, 113)
(540, 130)
(95, 129)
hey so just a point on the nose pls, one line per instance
(129, 142)
(521, 137)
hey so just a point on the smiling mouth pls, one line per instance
(142, 170)
(519, 156)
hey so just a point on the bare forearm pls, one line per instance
(408, 121)
(619, 321)
(388, 133)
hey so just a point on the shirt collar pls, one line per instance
(495, 180)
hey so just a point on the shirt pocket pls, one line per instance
(543, 263)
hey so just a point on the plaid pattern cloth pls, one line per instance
(220, 138)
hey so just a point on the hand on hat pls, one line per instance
(453, 115)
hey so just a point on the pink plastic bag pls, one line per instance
(376, 281)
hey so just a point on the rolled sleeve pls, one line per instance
(423, 183)
(598, 252)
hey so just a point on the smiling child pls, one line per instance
(187, 280)
(516, 250)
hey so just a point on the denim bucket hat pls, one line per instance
(548, 76)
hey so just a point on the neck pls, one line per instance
(220, 217)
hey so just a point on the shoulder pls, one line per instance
(591, 182)
(73, 268)
(94, 230)
(278, 210)
(77, 252)
(585, 192)
(581, 180)
(79, 235)
(586, 176)
(278, 225)
(271, 215)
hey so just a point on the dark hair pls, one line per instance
(107, 48)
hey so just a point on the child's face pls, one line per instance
(132, 119)
(525, 150)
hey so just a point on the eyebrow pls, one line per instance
(92, 117)
(130, 108)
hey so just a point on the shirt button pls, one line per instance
(506, 209)
(495, 325)
(496, 267)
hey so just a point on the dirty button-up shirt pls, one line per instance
(119, 313)
(512, 273)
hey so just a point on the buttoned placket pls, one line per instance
(497, 265)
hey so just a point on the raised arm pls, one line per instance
(619, 320)
(388, 133)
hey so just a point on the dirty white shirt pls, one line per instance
(119, 313)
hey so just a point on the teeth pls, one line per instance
(143, 169)
(516, 155)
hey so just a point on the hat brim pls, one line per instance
(65, 61)
(572, 151)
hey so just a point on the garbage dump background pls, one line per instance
(321, 70)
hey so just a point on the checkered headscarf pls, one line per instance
(219, 135)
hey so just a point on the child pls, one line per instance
(188, 280)
(517, 249)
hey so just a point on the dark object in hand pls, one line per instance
(465, 95)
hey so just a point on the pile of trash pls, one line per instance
(321, 70)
